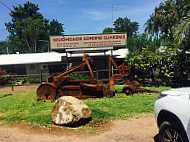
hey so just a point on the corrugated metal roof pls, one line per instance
(120, 53)
(48, 57)
(32, 58)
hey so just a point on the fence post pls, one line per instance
(97, 74)
(41, 77)
(12, 87)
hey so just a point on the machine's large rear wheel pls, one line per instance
(46, 92)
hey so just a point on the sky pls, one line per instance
(84, 16)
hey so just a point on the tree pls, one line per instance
(182, 28)
(56, 28)
(143, 54)
(3, 47)
(108, 30)
(166, 16)
(151, 26)
(168, 25)
(125, 25)
(28, 26)
(32, 32)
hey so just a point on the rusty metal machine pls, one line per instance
(131, 87)
(62, 85)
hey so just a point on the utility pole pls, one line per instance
(7, 50)
(112, 11)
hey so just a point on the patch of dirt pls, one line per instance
(19, 88)
(142, 129)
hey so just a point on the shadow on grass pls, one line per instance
(6, 95)
(100, 114)
(79, 123)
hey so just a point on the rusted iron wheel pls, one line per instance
(46, 92)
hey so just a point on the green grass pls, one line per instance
(121, 107)
(160, 88)
(22, 107)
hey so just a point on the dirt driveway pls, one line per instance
(142, 129)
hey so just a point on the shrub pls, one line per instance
(9, 79)
(2, 73)
(34, 80)
(23, 80)
(79, 76)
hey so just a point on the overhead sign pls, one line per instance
(94, 40)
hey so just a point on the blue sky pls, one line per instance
(84, 16)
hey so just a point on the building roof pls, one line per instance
(32, 58)
(120, 53)
(48, 57)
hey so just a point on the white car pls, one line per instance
(172, 113)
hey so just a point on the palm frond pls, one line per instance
(182, 28)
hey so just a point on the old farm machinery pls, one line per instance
(62, 85)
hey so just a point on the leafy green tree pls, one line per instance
(143, 54)
(3, 47)
(56, 28)
(28, 26)
(182, 28)
(137, 42)
(151, 26)
(166, 16)
(149, 61)
(125, 25)
(108, 30)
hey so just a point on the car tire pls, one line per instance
(171, 132)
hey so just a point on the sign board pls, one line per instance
(94, 40)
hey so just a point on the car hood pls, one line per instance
(177, 91)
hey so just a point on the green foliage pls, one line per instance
(8, 79)
(125, 25)
(79, 76)
(149, 61)
(181, 30)
(137, 42)
(171, 21)
(3, 47)
(23, 80)
(33, 80)
(27, 27)
(56, 28)
(177, 69)
(27, 24)
(166, 15)
(108, 30)
(144, 55)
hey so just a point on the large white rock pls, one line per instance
(69, 110)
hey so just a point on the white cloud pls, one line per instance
(96, 15)
(60, 1)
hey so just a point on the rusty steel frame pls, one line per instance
(61, 85)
